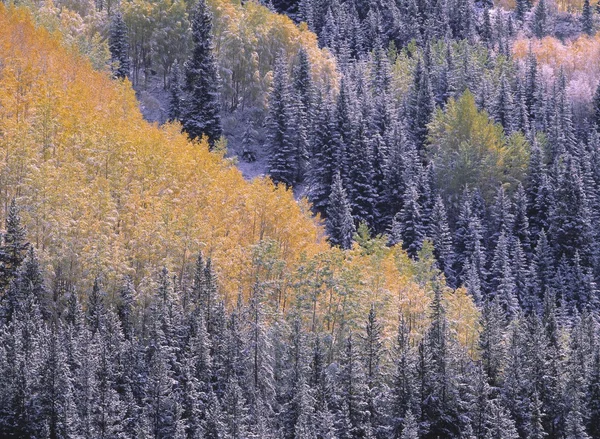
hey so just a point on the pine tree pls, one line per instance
(362, 191)
(339, 224)
(570, 219)
(96, 309)
(596, 108)
(201, 113)
(352, 411)
(520, 220)
(491, 340)
(119, 46)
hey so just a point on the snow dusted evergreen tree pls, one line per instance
(283, 162)
(14, 246)
(339, 224)
(119, 46)
(408, 223)
(587, 18)
(522, 7)
(323, 165)
(411, 427)
(540, 19)
(439, 232)
(201, 115)
(177, 96)
(421, 102)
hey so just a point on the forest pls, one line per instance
(303, 219)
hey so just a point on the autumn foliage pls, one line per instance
(105, 193)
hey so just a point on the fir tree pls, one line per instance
(587, 18)
(177, 98)
(540, 19)
(421, 103)
(339, 224)
(439, 232)
(119, 46)
(201, 113)
(283, 163)
(14, 246)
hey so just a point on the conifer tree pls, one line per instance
(411, 427)
(439, 232)
(504, 107)
(522, 7)
(421, 102)
(339, 224)
(14, 246)
(540, 19)
(201, 115)
(409, 223)
(119, 46)
(587, 18)
(283, 164)
(177, 98)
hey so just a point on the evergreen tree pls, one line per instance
(119, 46)
(439, 232)
(201, 113)
(177, 98)
(540, 26)
(421, 103)
(283, 165)
(56, 402)
(339, 224)
(522, 7)
(323, 165)
(408, 223)
(411, 427)
(14, 246)
(587, 18)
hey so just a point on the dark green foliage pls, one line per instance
(201, 114)
(119, 46)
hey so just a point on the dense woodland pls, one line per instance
(422, 260)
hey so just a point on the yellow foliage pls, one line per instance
(248, 38)
(103, 191)
(579, 59)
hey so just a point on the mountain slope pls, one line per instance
(105, 193)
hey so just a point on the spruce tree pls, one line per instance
(13, 247)
(283, 163)
(119, 46)
(201, 115)
(587, 18)
(540, 25)
(177, 98)
(421, 103)
(339, 224)
(409, 223)
(439, 232)
(522, 7)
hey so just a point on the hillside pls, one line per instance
(106, 194)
